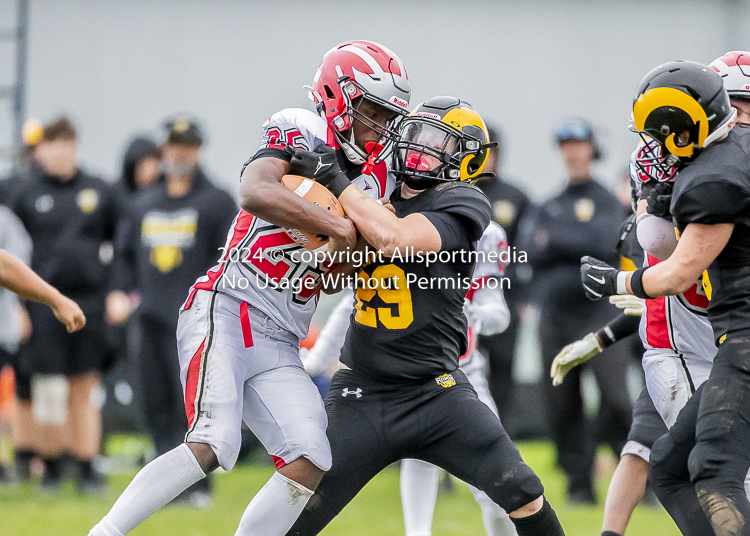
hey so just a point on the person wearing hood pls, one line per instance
(140, 169)
(169, 238)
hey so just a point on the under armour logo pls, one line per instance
(357, 392)
(320, 165)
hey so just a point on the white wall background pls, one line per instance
(121, 66)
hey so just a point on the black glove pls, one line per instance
(598, 278)
(322, 166)
(659, 200)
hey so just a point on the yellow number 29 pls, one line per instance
(389, 283)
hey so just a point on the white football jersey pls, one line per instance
(260, 264)
(678, 322)
(492, 243)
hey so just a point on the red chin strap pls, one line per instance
(417, 162)
(373, 149)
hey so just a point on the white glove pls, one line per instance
(632, 305)
(573, 355)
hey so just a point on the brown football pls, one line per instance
(315, 193)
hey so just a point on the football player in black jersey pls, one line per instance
(700, 466)
(401, 394)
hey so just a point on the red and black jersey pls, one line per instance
(408, 323)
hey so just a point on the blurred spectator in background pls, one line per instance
(69, 214)
(26, 164)
(584, 219)
(171, 237)
(509, 206)
(14, 328)
(23, 422)
(140, 170)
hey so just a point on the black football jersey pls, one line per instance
(411, 326)
(715, 189)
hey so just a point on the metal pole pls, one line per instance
(19, 101)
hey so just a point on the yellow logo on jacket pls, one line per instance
(584, 209)
(87, 200)
(167, 234)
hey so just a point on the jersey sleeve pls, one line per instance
(491, 246)
(292, 127)
(711, 203)
(460, 213)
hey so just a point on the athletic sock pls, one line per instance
(542, 523)
(419, 489)
(154, 486)
(275, 508)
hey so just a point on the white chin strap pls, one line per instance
(352, 152)
(722, 130)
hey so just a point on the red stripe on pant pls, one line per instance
(278, 462)
(247, 330)
(191, 383)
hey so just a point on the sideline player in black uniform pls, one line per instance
(402, 395)
(700, 466)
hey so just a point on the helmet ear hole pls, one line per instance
(329, 92)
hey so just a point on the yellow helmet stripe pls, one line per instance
(659, 97)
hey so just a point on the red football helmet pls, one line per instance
(360, 69)
(734, 69)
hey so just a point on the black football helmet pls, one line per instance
(683, 107)
(443, 139)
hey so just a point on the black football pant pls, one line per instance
(371, 425)
(574, 435)
(163, 398)
(699, 468)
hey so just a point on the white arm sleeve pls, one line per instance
(655, 235)
(328, 345)
(487, 312)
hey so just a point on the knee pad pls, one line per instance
(49, 396)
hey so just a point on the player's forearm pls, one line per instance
(20, 279)
(378, 225)
(699, 246)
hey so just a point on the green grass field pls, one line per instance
(376, 511)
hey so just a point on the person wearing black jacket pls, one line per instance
(509, 206)
(170, 238)
(69, 214)
(585, 217)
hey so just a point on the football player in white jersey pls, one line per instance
(239, 328)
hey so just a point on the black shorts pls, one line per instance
(440, 421)
(648, 426)
(52, 350)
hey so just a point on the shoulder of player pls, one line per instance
(459, 190)
(724, 163)
(493, 235)
(305, 121)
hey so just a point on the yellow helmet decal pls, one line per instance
(668, 96)
(459, 118)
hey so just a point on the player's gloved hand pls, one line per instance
(322, 166)
(631, 305)
(598, 278)
(659, 200)
(573, 355)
